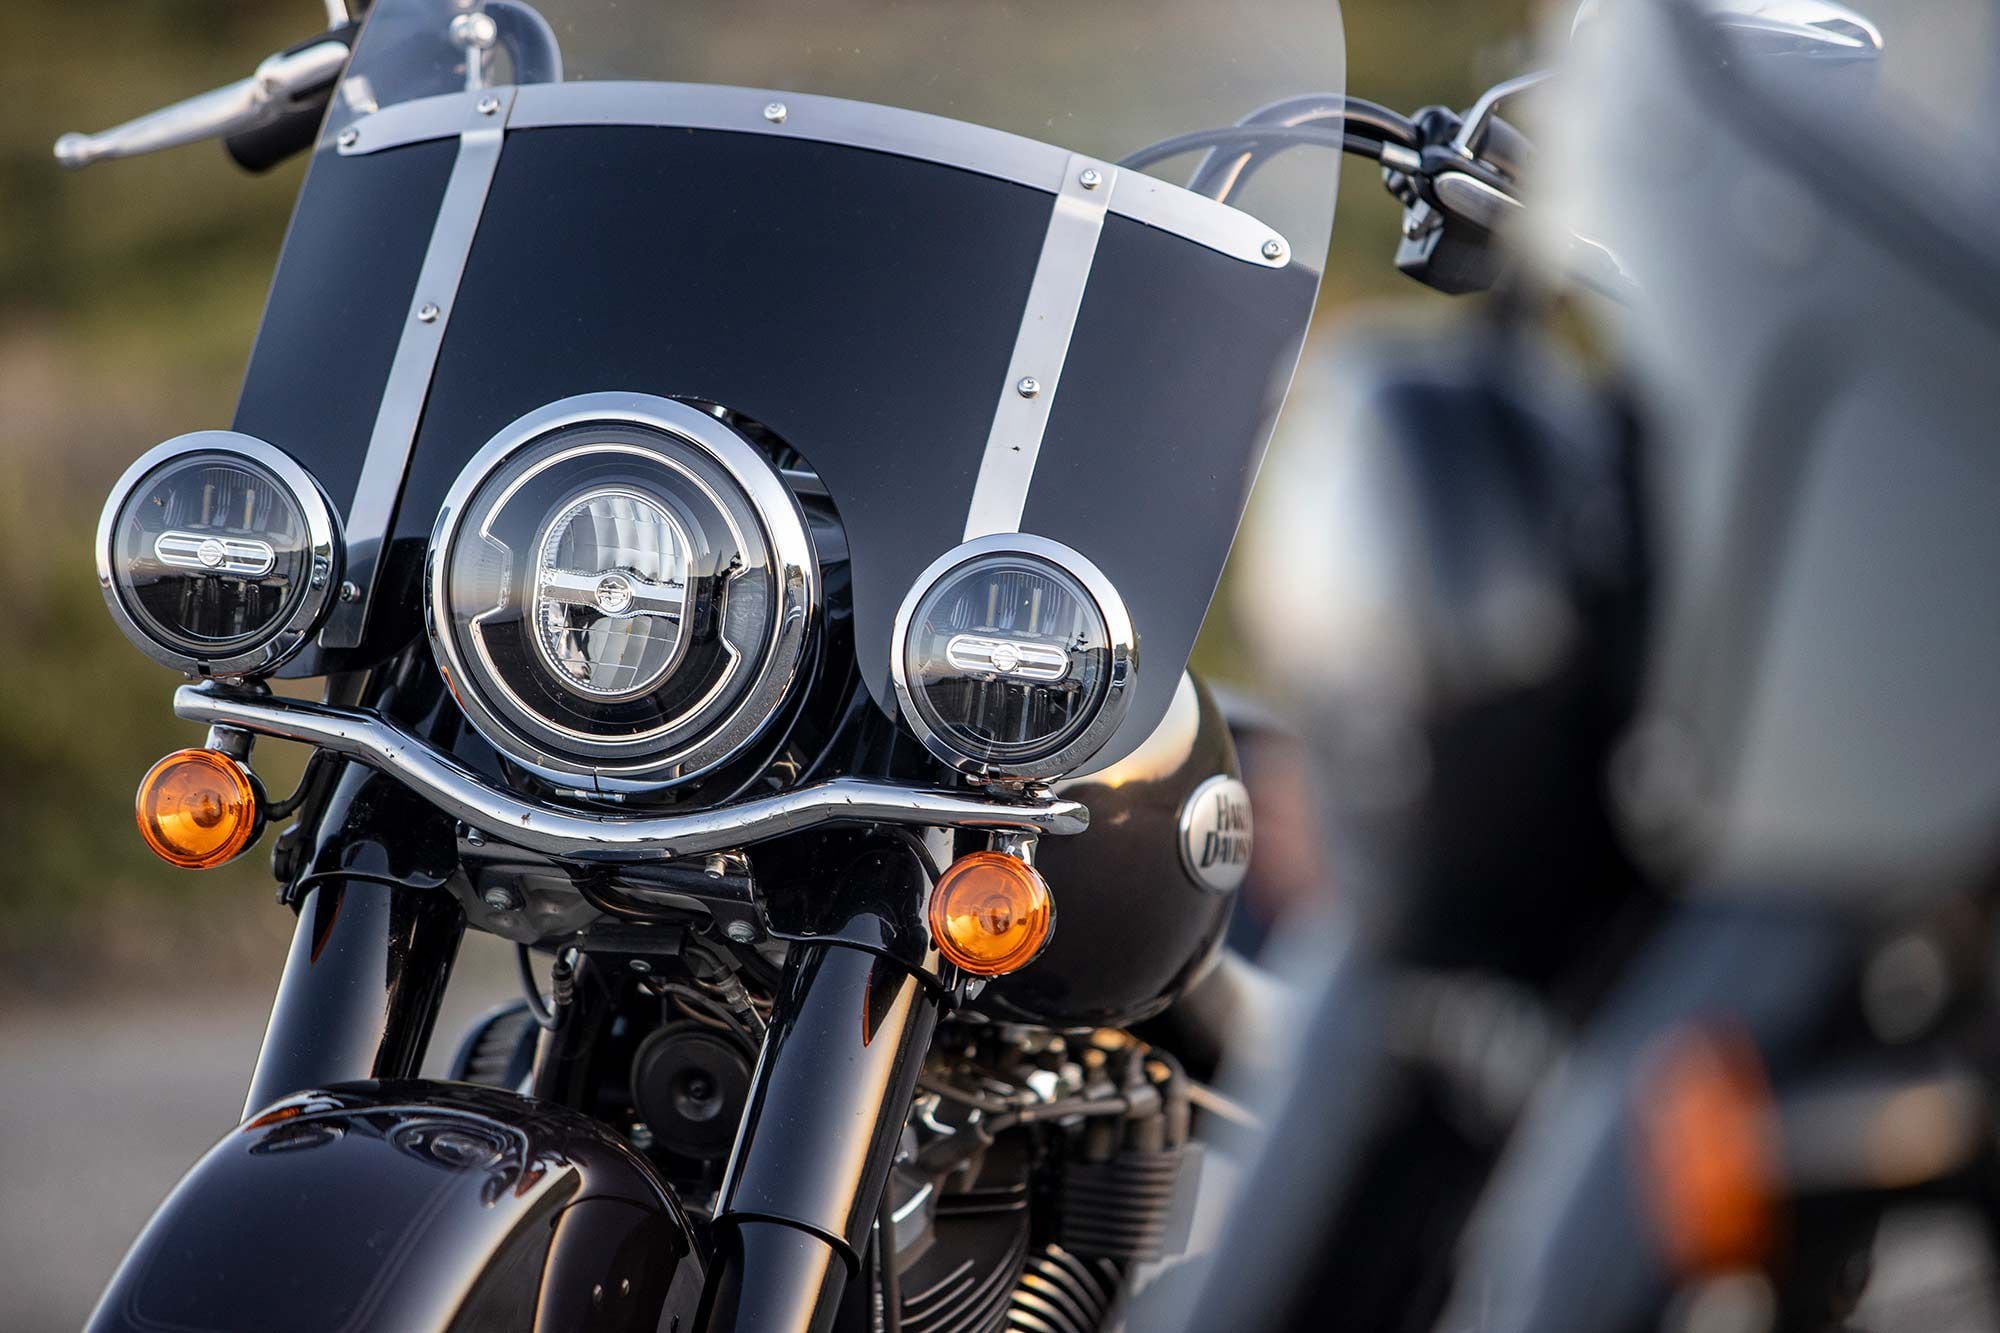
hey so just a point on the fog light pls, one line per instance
(197, 808)
(991, 913)
(1013, 658)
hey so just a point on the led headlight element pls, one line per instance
(1013, 658)
(217, 554)
(619, 589)
(610, 593)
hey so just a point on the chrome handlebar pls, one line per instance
(464, 795)
(281, 84)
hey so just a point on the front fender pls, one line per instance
(416, 1206)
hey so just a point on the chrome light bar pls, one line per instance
(460, 792)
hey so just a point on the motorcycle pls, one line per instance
(1652, 713)
(723, 463)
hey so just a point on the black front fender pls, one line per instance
(415, 1206)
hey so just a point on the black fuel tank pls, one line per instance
(1143, 896)
(413, 1206)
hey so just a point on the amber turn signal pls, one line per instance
(991, 913)
(1709, 1151)
(197, 809)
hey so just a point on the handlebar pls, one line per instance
(291, 84)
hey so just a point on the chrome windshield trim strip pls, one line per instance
(836, 120)
(480, 134)
(461, 793)
(1034, 371)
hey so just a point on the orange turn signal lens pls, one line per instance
(1710, 1152)
(197, 809)
(991, 913)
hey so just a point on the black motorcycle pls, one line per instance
(726, 522)
(1658, 727)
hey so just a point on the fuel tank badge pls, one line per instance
(1216, 833)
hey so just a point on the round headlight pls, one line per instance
(217, 554)
(1014, 658)
(619, 590)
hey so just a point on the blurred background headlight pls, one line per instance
(1014, 658)
(217, 554)
(619, 589)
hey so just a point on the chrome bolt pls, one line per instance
(501, 900)
(349, 137)
(640, 965)
(1274, 249)
(350, 591)
(716, 866)
(775, 112)
(741, 931)
(1091, 178)
(1028, 387)
(474, 837)
(427, 313)
(487, 105)
(475, 32)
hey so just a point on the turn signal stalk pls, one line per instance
(991, 913)
(197, 809)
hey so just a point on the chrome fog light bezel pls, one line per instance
(326, 556)
(1121, 639)
(595, 765)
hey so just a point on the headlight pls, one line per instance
(217, 554)
(619, 589)
(1014, 658)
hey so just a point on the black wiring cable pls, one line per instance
(1254, 136)
(546, 1019)
(315, 765)
(1331, 110)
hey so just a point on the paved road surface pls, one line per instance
(103, 1108)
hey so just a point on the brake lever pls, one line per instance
(283, 83)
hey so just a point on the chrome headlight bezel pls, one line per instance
(681, 753)
(1121, 640)
(325, 555)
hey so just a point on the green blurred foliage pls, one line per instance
(129, 296)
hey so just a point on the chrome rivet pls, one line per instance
(741, 931)
(488, 104)
(350, 591)
(427, 313)
(1274, 249)
(1091, 178)
(349, 137)
(1028, 387)
(775, 112)
(640, 965)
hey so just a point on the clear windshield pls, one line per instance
(1103, 78)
